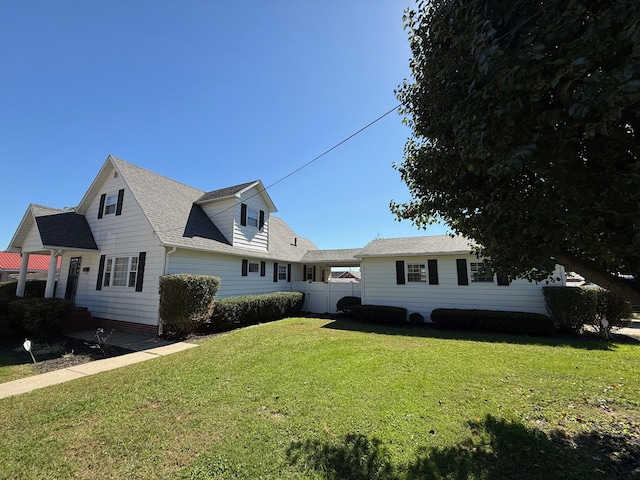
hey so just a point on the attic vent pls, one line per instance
(115, 174)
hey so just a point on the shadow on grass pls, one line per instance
(495, 449)
(430, 331)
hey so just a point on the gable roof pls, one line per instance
(411, 246)
(56, 228)
(173, 212)
(11, 261)
(236, 191)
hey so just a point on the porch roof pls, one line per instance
(56, 228)
(338, 257)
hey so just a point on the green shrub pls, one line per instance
(493, 321)
(345, 303)
(610, 307)
(186, 302)
(35, 288)
(32, 288)
(574, 307)
(380, 314)
(416, 318)
(41, 317)
(250, 309)
(8, 289)
(10, 327)
(571, 308)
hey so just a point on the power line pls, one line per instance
(316, 158)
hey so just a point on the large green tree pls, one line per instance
(525, 118)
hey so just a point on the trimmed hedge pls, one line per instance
(250, 309)
(186, 302)
(493, 321)
(345, 303)
(380, 314)
(32, 288)
(40, 317)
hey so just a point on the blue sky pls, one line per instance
(211, 94)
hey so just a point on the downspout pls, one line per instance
(165, 269)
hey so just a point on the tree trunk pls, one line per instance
(593, 272)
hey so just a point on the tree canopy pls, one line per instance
(525, 119)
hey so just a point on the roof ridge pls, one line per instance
(138, 167)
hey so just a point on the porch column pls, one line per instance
(22, 276)
(51, 275)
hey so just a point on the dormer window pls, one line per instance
(110, 203)
(252, 217)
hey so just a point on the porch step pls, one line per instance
(79, 319)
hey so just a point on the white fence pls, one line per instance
(322, 297)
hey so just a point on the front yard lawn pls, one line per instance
(308, 398)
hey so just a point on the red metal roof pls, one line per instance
(11, 261)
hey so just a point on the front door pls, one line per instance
(72, 278)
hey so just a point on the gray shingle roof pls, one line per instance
(225, 192)
(178, 221)
(338, 256)
(432, 245)
(65, 230)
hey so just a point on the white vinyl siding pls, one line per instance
(118, 236)
(251, 236)
(229, 269)
(380, 288)
(222, 213)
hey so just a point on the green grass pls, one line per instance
(316, 399)
(15, 363)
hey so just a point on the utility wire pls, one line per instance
(316, 158)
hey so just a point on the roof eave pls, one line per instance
(413, 254)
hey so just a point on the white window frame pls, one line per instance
(253, 267)
(120, 271)
(110, 203)
(480, 273)
(282, 272)
(416, 272)
(309, 273)
(253, 217)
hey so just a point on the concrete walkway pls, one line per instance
(145, 348)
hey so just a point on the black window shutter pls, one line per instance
(503, 280)
(243, 214)
(263, 269)
(245, 268)
(304, 273)
(313, 278)
(463, 277)
(400, 272)
(432, 265)
(103, 198)
(288, 272)
(119, 204)
(261, 219)
(100, 272)
(275, 272)
(142, 256)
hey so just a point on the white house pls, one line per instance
(133, 225)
